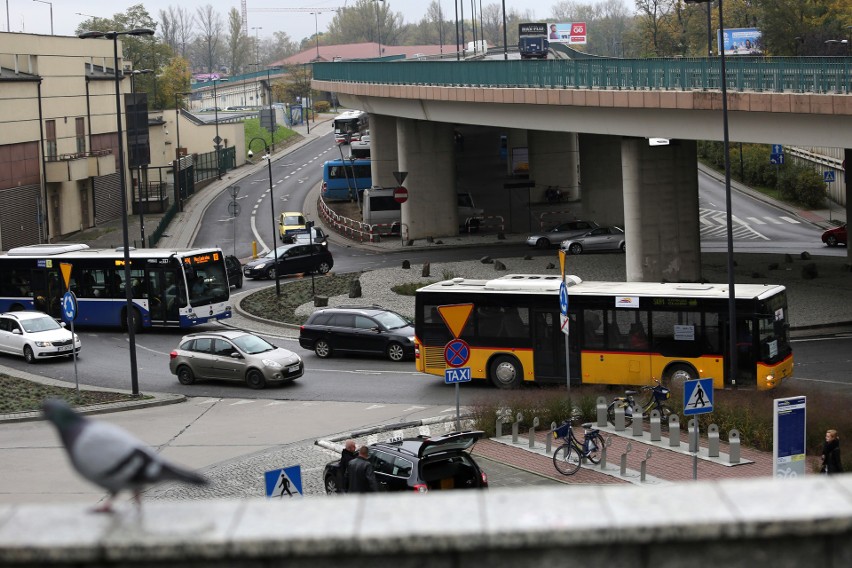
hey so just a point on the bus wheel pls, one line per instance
(16, 308)
(506, 372)
(677, 374)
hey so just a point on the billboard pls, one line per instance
(739, 41)
(532, 29)
(573, 33)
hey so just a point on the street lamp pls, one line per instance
(133, 75)
(268, 157)
(51, 12)
(316, 31)
(256, 61)
(130, 316)
(178, 156)
(217, 142)
(505, 37)
(843, 42)
(732, 311)
(378, 28)
(271, 112)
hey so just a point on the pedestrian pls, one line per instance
(360, 477)
(346, 455)
(831, 454)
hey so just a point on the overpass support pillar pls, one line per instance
(554, 160)
(661, 211)
(602, 199)
(425, 151)
(383, 151)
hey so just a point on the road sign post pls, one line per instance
(457, 351)
(69, 312)
(563, 320)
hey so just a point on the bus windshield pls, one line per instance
(207, 280)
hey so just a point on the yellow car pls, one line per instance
(289, 224)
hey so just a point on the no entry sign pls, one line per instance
(400, 194)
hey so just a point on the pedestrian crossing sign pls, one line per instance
(286, 482)
(697, 397)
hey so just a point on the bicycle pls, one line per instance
(659, 394)
(568, 457)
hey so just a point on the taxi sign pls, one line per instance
(455, 376)
(455, 316)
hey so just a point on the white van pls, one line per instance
(380, 208)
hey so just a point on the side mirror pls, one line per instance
(16, 331)
(250, 154)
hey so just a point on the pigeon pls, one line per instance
(111, 457)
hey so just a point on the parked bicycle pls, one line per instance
(568, 457)
(658, 395)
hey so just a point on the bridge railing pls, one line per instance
(769, 74)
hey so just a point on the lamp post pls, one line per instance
(256, 60)
(268, 157)
(305, 102)
(217, 142)
(131, 316)
(843, 42)
(456, 6)
(505, 35)
(178, 156)
(271, 112)
(732, 307)
(133, 75)
(316, 31)
(378, 27)
(51, 12)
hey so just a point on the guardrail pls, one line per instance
(770, 74)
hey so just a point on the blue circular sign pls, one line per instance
(563, 299)
(69, 306)
(457, 353)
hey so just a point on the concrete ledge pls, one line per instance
(760, 522)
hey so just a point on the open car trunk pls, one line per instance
(456, 472)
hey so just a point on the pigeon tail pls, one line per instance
(171, 472)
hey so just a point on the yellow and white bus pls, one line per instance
(626, 333)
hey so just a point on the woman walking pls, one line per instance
(831, 454)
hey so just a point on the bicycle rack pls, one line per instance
(549, 439)
(656, 429)
(674, 431)
(734, 446)
(619, 417)
(532, 432)
(642, 467)
(515, 426)
(713, 441)
(606, 443)
(503, 419)
(624, 458)
(601, 407)
(638, 422)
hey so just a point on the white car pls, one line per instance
(34, 336)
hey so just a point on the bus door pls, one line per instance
(47, 289)
(163, 293)
(549, 347)
(746, 355)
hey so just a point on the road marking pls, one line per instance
(790, 220)
(756, 221)
(374, 406)
(208, 401)
(410, 408)
(773, 220)
(241, 402)
(276, 402)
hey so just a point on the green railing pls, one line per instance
(761, 74)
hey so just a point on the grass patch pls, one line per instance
(21, 395)
(266, 304)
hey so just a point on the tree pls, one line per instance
(209, 38)
(364, 22)
(136, 49)
(295, 84)
(176, 27)
(238, 44)
(175, 78)
(277, 48)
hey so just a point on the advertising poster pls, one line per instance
(788, 448)
(573, 33)
(740, 41)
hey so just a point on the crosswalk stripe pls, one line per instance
(756, 221)
(790, 220)
(773, 220)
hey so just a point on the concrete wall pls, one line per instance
(734, 523)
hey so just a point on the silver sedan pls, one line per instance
(598, 239)
(560, 232)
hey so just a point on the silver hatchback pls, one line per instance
(235, 356)
(558, 233)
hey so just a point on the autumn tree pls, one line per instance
(238, 44)
(209, 38)
(174, 79)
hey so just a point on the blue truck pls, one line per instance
(532, 41)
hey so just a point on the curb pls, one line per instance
(329, 443)
(157, 399)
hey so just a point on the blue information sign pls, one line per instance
(776, 159)
(69, 306)
(828, 176)
(777, 149)
(697, 397)
(285, 482)
(789, 422)
(460, 375)
(563, 299)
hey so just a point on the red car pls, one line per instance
(836, 236)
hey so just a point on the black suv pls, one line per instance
(292, 259)
(420, 464)
(358, 329)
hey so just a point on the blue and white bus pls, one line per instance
(341, 179)
(171, 288)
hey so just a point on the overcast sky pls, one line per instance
(33, 16)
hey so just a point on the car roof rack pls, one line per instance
(359, 306)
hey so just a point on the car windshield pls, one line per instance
(252, 344)
(391, 320)
(40, 324)
(293, 220)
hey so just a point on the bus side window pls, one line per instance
(592, 328)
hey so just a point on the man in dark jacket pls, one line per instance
(346, 455)
(360, 477)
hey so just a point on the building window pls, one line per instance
(50, 139)
(81, 136)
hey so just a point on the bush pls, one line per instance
(322, 106)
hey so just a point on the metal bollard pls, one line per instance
(515, 426)
(642, 468)
(606, 444)
(656, 429)
(691, 429)
(498, 428)
(713, 441)
(619, 418)
(638, 422)
(532, 432)
(624, 458)
(549, 439)
(601, 406)
(674, 430)
(734, 445)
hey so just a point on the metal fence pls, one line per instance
(770, 74)
(205, 164)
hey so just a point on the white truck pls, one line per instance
(380, 208)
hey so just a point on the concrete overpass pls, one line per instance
(590, 121)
